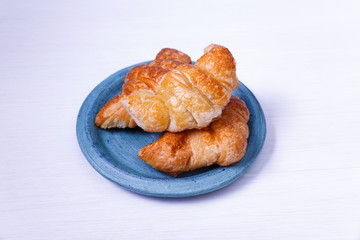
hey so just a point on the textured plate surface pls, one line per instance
(113, 153)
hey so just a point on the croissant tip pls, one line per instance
(212, 46)
(97, 121)
(141, 153)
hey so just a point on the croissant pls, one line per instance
(223, 143)
(146, 77)
(188, 96)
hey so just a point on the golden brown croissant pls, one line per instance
(148, 76)
(189, 96)
(223, 143)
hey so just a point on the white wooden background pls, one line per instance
(300, 58)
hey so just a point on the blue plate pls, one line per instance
(113, 153)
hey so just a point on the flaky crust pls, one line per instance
(171, 94)
(187, 97)
(223, 143)
(143, 77)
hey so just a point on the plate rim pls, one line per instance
(145, 186)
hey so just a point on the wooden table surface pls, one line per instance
(300, 58)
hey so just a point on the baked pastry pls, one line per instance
(148, 76)
(189, 96)
(223, 143)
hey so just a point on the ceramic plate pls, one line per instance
(113, 153)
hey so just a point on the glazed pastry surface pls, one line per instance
(223, 143)
(143, 77)
(171, 94)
